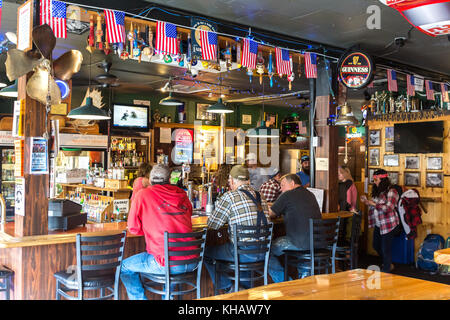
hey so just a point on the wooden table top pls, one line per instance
(442, 256)
(358, 284)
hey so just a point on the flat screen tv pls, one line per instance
(419, 137)
(130, 117)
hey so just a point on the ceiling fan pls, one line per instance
(107, 79)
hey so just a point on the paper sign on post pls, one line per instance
(322, 164)
(19, 197)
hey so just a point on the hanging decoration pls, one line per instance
(260, 66)
(355, 69)
(270, 69)
(291, 75)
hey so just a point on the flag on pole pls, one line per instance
(283, 61)
(410, 85)
(392, 80)
(429, 89)
(208, 42)
(166, 38)
(444, 91)
(249, 52)
(310, 65)
(53, 13)
(115, 25)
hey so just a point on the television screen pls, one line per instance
(419, 137)
(130, 117)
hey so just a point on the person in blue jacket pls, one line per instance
(304, 173)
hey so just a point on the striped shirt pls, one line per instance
(384, 214)
(234, 207)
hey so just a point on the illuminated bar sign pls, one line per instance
(355, 69)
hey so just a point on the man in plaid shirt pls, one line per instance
(383, 216)
(271, 189)
(234, 207)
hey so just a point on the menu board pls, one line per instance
(39, 159)
(24, 26)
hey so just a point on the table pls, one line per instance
(357, 284)
(442, 256)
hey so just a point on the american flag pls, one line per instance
(310, 65)
(410, 85)
(115, 26)
(249, 52)
(392, 80)
(444, 91)
(283, 61)
(429, 90)
(208, 42)
(53, 13)
(166, 38)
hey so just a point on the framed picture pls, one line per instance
(435, 179)
(393, 177)
(202, 114)
(374, 157)
(412, 179)
(434, 163)
(246, 119)
(389, 146)
(412, 163)
(390, 160)
(371, 171)
(271, 119)
(374, 138)
(389, 133)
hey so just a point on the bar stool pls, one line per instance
(99, 259)
(349, 254)
(254, 240)
(6, 275)
(191, 244)
(323, 234)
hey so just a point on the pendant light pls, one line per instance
(262, 131)
(346, 117)
(88, 111)
(219, 106)
(10, 91)
(170, 101)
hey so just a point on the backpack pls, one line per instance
(425, 255)
(443, 269)
(410, 212)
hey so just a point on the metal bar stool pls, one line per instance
(6, 275)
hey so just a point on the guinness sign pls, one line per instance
(355, 69)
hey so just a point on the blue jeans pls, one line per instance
(276, 270)
(144, 263)
(226, 252)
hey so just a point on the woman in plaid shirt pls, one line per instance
(383, 216)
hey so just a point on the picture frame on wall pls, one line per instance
(389, 133)
(412, 162)
(201, 112)
(434, 163)
(271, 119)
(247, 119)
(374, 157)
(391, 160)
(374, 138)
(412, 179)
(393, 177)
(389, 146)
(371, 171)
(435, 179)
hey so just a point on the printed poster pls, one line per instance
(39, 156)
(19, 197)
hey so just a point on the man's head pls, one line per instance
(160, 174)
(290, 181)
(251, 160)
(239, 176)
(305, 164)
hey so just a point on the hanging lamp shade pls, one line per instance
(170, 101)
(220, 107)
(346, 117)
(10, 91)
(262, 132)
(88, 112)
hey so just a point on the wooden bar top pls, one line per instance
(357, 284)
(442, 256)
(9, 240)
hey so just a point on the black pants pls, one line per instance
(382, 243)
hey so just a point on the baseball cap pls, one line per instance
(305, 158)
(239, 172)
(160, 174)
(273, 172)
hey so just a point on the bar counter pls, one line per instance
(34, 259)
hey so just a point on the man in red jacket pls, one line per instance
(158, 208)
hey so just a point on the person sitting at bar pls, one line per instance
(258, 175)
(304, 173)
(271, 189)
(383, 216)
(158, 208)
(141, 181)
(237, 206)
(297, 205)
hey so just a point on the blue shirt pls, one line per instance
(304, 178)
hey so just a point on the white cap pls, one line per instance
(251, 156)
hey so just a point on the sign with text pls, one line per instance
(355, 69)
(19, 197)
(24, 26)
(39, 156)
(121, 205)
